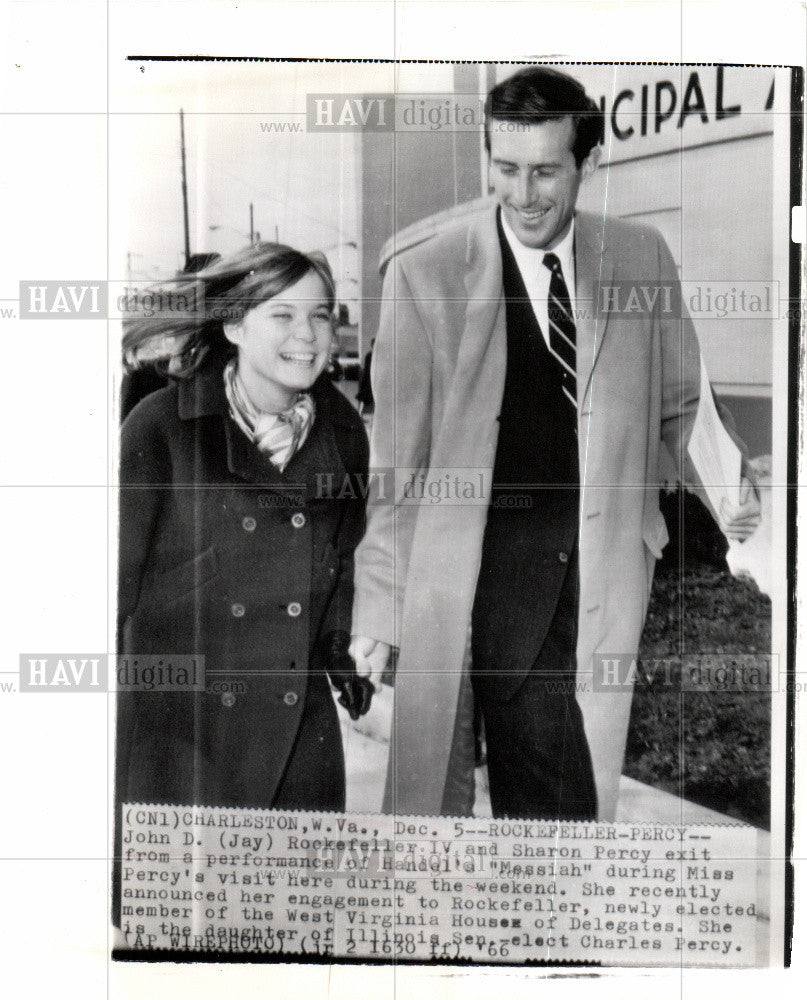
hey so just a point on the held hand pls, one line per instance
(371, 656)
(740, 521)
(356, 696)
(356, 693)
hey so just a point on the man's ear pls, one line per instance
(233, 332)
(591, 162)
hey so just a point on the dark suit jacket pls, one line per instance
(526, 549)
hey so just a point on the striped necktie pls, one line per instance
(562, 334)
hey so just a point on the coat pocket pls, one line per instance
(186, 577)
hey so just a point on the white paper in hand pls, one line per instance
(716, 457)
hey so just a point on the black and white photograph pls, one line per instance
(447, 487)
(439, 535)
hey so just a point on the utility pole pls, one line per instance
(251, 225)
(184, 189)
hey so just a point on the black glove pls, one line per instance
(356, 692)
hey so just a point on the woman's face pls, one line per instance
(284, 343)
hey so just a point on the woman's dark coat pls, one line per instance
(222, 555)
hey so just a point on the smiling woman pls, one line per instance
(262, 592)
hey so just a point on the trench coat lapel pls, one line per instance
(594, 268)
(469, 429)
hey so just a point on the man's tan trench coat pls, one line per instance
(438, 377)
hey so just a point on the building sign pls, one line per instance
(656, 109)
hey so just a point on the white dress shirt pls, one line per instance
(536, 275)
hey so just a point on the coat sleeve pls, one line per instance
(351, 528)
(144, 473)
(400, 447)
(680, 371)
(143, 470)
(681, 378)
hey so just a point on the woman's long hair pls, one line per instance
(175, 325)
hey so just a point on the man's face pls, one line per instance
(535, 178)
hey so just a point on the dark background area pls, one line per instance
(714, 747)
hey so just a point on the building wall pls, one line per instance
(409, 175)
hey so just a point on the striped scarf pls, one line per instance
(279, 435)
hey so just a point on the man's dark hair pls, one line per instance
(539, 94)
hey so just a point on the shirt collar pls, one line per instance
(529, 259)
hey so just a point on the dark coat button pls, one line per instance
(563, 557)
(290, 698)
(294, 609)
(298, 520)
(249, 524)
(228, 699)
(238, 610)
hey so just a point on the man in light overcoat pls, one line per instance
(501, 360)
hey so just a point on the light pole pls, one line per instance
(184, 189)
(253, 237)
